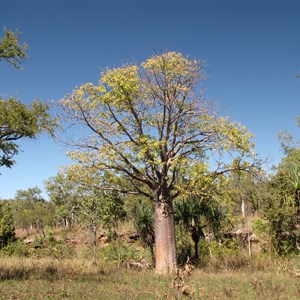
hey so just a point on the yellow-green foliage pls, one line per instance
(152, 124)
(11, 50)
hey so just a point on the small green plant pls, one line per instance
(50, 247)
(226, 255)
(144, 225)
(184, 246)
(16, 248)
(120, 253)
(49, 235)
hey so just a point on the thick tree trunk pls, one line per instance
(165, 243)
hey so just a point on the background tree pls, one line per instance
(281, 201)
(242, 192)
(100, 208)
(112, 209)
(289, 168)
(283, 212)
(151, 124)
(7, 229)
(65, 195)
(287, 141)
(30, 210)
(32, 194)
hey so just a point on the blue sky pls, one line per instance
(252, 50)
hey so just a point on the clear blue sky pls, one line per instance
(252, 49)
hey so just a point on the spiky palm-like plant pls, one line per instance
(144, 225)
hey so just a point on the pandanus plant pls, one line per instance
(144, 225)
(194, 214)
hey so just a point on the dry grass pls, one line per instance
(78, 279)
(44, 268)
(229, 276)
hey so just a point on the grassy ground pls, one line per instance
(78, 279)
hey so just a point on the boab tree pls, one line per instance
(151, 124)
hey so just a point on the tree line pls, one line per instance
(264, 207)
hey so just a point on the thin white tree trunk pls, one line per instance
(243, 208)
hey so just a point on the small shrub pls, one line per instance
(184, 247)
(49, 235)
(16, 248)
(121, 253)
(204, 252)
(260, 226)
(112, 235)
(226, 256)
(262, 229)
(49, 247)
(144, 225)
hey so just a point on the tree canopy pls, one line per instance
(11, 50)
(18, 120)
(151, 124)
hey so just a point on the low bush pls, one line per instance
(16, 248)
(120, 253)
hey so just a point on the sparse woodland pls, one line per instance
(160, 181)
